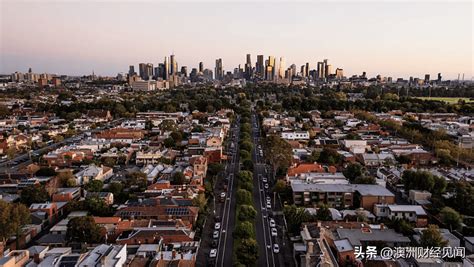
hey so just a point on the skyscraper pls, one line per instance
(306, 68)
(427, 78)
(219, 72)
(248, 68)
(146, 71)
(328, 70)
(131, 70)
(321, 71)
(439, 77)
(282, 68)
(142, 70)
(260, 67)
(173, 65)
(339, 73)
(270, 68)
(167, 69)
(201, 67)
(303, 71)
(184, 71)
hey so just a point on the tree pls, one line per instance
(12, 218)
(278, 152)
(178, 178)
(295, 216)
(245, 176)
(66, 179)
(214, 168)
(115, 188)
(244, 197)
(94, 186)
(279, 187)
(247, 251)
(169, 142)
(200, 201)
(419, 180)
(136, 179)
(97, 206)
(353, 171)
(167, 125)
(329, 156)
(364, 180)
(83, 229)
(248, 165)
(33, 194)
(244, 230)
(450, 217)
(245, 155)
(246, 212)
(323, 213)
(246, 145)
(431, 237)
(46, 171)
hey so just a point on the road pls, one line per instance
(224, 210)
(226, 241)
(24, 159)
(265, 240)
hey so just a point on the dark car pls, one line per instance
(217, 219)
(214, 244)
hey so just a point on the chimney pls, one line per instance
(173, 254)
(182, 255)
(310, 248)
(36, 258)
(382, 226)
(161, 255)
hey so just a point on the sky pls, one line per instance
(391, 38)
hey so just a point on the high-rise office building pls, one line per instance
(173, 65)
(184, 71)
(321, 70)
(146, 71)
(248, 68)
(282, 68)
(201, 67)
(328, 70)
(306, 68)
(270, 68)
(260, 67)
(219, 72)
(439, 77)
(193, 75)
(131, 70)
(303, 71)
(339, 73)
(167, 69)
(142, 70)
(427, 78)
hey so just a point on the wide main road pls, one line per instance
(226, 241)
(260, 193)
(269, 210)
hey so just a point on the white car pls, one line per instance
(268, 199)
(276, 248)
(274, 232)
(269, 206)
(266, 186)
(215, 235)
(217, 226)
(223, 195)
(264, 179)
(213, 253)
(272, 223)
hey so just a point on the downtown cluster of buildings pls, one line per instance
(168, 74)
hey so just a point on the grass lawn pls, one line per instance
(450, 100)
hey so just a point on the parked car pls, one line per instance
(214, 244)
(269, 206)
(276, 248)
(215, 235)
(217, 226)
(274, 232)
(265, 179)
(272, 223)
(266, 186)
(213, 253)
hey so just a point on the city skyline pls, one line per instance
(391, 39)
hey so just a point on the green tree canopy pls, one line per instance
(12, 218)
(431, 237)
(450, 217)
(83, 229)
(33, 194)
(244, 229)
(246, 212)
(94, 186)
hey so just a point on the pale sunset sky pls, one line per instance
(391, 38)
